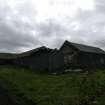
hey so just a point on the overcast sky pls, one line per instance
(27, 24)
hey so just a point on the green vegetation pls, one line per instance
(62, 89)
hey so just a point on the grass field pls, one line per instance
(62, 89)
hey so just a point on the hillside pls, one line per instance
(46, 89)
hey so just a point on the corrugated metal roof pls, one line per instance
(86, 48)
(27, 53)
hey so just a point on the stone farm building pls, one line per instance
(70, 55)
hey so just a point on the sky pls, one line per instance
(28, 24)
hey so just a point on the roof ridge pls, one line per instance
(82, 44)
(86, 48)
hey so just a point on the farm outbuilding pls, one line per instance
(56, 61)
(37, 59)
(82, 56)
(70, 55)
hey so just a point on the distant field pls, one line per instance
(62, 89)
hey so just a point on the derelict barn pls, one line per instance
(56, 61)
(70, 55)
(37, 59)
(82, 56)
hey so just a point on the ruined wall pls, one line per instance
(70, 56)
(35, 61)
(91, 60)
(56, 62)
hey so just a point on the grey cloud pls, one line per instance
(92, 26)
(51, 33)
(16, 34)
(51, 28)
(100, 6)
(100, 42)
(12, 40)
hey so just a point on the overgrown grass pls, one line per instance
(63, 89)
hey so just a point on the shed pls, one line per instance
(37, 59)
(82, 56)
